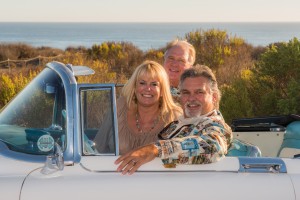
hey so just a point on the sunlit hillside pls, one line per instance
(254, 80)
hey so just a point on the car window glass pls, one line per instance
(97, 121)
(34, 120)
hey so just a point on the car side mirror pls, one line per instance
(54, 162)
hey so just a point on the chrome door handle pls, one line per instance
(262, 165)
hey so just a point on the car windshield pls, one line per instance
(35, 119)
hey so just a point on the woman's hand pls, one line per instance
(131, 161)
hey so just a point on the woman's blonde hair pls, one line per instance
(169, 110)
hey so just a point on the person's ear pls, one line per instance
(214, 97)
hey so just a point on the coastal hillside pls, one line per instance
(254, 80)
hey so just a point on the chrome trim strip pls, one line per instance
(115, 120)
(154, 171)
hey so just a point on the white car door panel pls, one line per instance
(294, 173)
(96, 178)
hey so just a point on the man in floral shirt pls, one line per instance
(201, 136)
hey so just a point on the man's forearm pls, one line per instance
(193, 149)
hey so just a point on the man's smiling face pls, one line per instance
(196, 96)
(176, 61)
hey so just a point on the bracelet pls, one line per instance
(158, 147)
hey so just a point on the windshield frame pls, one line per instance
(69, 84)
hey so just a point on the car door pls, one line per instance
(95, 176)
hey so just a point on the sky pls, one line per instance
(150, 11)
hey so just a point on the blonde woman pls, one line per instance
(144, 109)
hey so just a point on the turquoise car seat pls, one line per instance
(241, 148)
(291, 141)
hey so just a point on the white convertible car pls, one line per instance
(47, 150)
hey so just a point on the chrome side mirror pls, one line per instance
(54, 162)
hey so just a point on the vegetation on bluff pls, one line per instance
(254, 81)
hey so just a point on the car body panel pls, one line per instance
(154, 181)
(12, 174)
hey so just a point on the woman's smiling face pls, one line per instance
(147, 90)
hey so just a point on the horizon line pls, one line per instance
(150, 22)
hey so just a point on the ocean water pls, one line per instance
(143, 35)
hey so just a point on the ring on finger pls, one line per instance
(134, 162)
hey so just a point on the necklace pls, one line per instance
(138, 125)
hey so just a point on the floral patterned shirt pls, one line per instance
(175, 94)
(198, 140)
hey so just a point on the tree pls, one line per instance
(8, 89)
(226, 55)
(277, 74)
(209, 46)
(121, 57)
(290, 104)
(236, 101)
